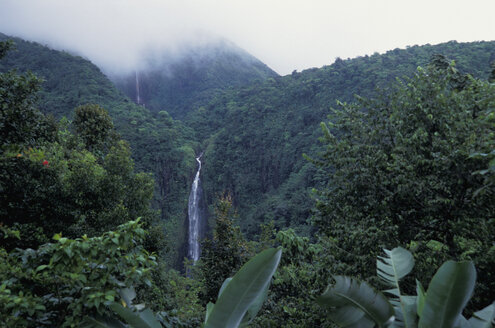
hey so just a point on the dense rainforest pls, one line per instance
(160, 145)
(318, 172)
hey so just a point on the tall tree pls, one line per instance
(93, 124)
(223, 254)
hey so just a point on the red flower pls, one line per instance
(45, 163)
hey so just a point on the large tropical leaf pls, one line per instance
(405, 312)
(225, 283)
(101, 322)
(209, 308)
(390, 269)
(394, 266)
(420, 301)
(144, 319)
(353, 304)
(245, 287)
(483, 318)
(127, 295)
(447, 295)
(253, 309)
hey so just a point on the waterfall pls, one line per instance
(138, 98)
(195, 216)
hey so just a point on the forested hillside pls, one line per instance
(255, 136)
(178, 81)
(395, 192)
(159, 144)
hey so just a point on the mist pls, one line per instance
(286, 35)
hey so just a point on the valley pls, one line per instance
(221, 158)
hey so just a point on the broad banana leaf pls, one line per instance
(255, 307)
(352, 303)
(144, 319)
(447, 295)
(420, 301)
(251, 312)
(405, 312)
(395, 266)
(483, 318)
(101, 322)
(242, 291)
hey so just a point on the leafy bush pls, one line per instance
(239, 299)
(61, 282)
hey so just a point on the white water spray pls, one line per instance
(194, 213)
(138, 97)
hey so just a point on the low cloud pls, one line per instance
(285, 34)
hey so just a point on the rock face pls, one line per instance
(181, 80)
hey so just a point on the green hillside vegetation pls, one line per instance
(159, 144)
(179, 82)
(407, 167)
(255, 136)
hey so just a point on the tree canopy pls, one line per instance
(399, 170)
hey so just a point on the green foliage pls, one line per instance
(296, 283)
(399, 169)
(20, 122)
(241, 297)
(184, 296)
(31, 195)
(7, 232)
(93, 125)
(60, 283)
(5, 46)
(260, 164)
(131, 315)
(223, 254)
(159, 144)
(354, 303)
(58, 187)
(179, 84)
(488, 152)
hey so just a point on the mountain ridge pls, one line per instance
(178, 83)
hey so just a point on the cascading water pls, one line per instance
(195, 216)
(138, 97)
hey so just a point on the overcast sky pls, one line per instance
(287, 35)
